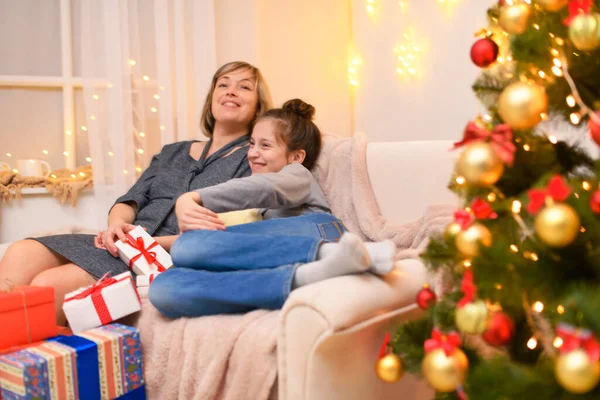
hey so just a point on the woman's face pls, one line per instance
(267, 153)
(235, 98)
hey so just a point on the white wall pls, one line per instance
(438, 105)
(301, 48)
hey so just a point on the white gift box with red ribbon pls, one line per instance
(143, 283)
(143, 254)
(102, 303)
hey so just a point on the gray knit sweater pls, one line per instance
(290, 192)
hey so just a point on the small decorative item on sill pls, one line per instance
(64, 184)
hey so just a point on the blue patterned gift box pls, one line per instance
(99, 364)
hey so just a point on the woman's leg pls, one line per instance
(24, 260)
(264, 244)
(183, 292)
(64, 279)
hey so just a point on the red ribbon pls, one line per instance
(447, 342)
(577, 8)
(557, 189)
(468, 288)
(384, 346)
(500, 138)
(574, 339)
(479, 210)
(482, 209)
(150, 256)
(97, 299)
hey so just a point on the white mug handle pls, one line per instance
(4, 165)
(48, 168)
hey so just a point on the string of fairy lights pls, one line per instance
(140, 136)
(408, 51)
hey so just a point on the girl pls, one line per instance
(257, 265)
(237, 97)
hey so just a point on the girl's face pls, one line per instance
(267, 152)
(235, 98)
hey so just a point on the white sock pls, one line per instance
(382, 256)
(348, 256)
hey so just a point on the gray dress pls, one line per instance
(171, 173)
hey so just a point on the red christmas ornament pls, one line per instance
(595, 127)
(426, 297)
(484, 52)
(500, 331)
(501, 3)
(595, 202)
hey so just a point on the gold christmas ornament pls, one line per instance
(557, 225)
(584, 32)
(445, 373)
(521, 105)
(514, 18)
(451, 231)
(472, 317)
(552, 5)
(389, 368)
(576, 372)
(479, 164)
(468, 242)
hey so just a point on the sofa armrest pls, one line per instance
(316, 315)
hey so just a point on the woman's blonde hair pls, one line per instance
(207, 122)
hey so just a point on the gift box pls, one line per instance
(102, 363)
(143, 284)
(27, 315)
(105, 301)
(240, 217)
(142, 254)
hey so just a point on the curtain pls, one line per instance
(158, 57)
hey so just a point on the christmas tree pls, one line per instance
(523, 256)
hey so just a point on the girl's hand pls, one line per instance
(192, 216)
(116, 231)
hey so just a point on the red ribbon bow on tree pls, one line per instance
(577, 8)
(557, 189)
(468, 288)
(447, 342)
(480, 209)
(384, 346)
(150, 256)
(500, 139)
(574, 339)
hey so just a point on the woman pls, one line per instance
(257, 265)
(237, 97)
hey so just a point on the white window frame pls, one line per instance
(67, 82)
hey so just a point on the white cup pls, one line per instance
(33, 168)
(4, 166)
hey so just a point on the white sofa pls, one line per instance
(330, 332)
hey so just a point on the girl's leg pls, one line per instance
(228, 251)
(24, 260)
(64, 279)
(264, 244)
(183, 292)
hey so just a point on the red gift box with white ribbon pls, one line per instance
(102, 303)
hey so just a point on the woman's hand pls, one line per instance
(192, 216)
(116, 231)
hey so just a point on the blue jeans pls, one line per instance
(240, 269)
